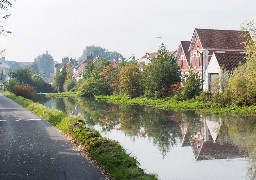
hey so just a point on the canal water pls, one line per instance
(182, 146)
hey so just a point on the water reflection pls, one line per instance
(176, 136)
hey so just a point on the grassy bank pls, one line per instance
(204, 107)
(63, 94)
(108, 153)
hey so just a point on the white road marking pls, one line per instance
(29, 120)
(2, 120)
(11, 108)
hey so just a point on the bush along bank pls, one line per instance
(108, 153)
(200, 106)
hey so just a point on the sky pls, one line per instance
(130, 27)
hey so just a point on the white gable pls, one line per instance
(213, 66)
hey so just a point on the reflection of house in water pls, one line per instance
(204, 141)
(184, 135)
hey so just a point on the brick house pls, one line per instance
(204, 43)
(222, 62)
(184, 57)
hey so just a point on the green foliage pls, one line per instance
(110, 74)
(59, 79)
(97, 51)
(22, 75)
(10, 84)
(25, 76)
(24, 90)
(192, 86)
(63, 94)
(161, 74)
(130, 80)
(44, 65)
(69, 85)
(88, 71)
(93, 86)
(242, 84)
(41, 85)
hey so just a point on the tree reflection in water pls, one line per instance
(211, 137)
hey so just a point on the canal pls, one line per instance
(173, 145)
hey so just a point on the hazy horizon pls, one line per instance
(65, 27)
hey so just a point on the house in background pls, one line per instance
(219, 63)
(146, 59)
(78, 71)
(183, 57)
(204, 43)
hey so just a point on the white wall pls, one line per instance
(213, 67)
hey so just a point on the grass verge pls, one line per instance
(110, 154)
(62, 94)
(207, 107)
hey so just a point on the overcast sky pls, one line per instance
(65, 27)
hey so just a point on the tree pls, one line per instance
(4, 5)
(25, 76)
(96, 51)
(22, 76)
(110, 76)
(192, 86)
(130, 80)
(93, 87)
(242, 84)
(161, 74)
(59, 79)
(44, 65)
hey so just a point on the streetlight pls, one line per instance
(202, 63)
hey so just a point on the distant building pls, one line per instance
(203, 44)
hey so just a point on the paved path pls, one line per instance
(30, 148)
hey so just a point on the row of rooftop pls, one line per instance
(208, 51)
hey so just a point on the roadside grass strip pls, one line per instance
(108, 153)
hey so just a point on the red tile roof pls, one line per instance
(149, 55)
(222, 39)
(230, 61)
(154, 54)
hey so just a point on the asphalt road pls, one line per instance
(30, 148)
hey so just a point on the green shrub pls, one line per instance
(130, 80)
(69, 85)
(11, 83)
(24, 90)
(192, 86)
(93, 86)
(160, 74)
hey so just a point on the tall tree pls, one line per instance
(22, 76)
(59, 79)
(130, 80)
(44, 65)
(161, 74)
(95, 51)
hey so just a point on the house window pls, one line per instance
(194, 60)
